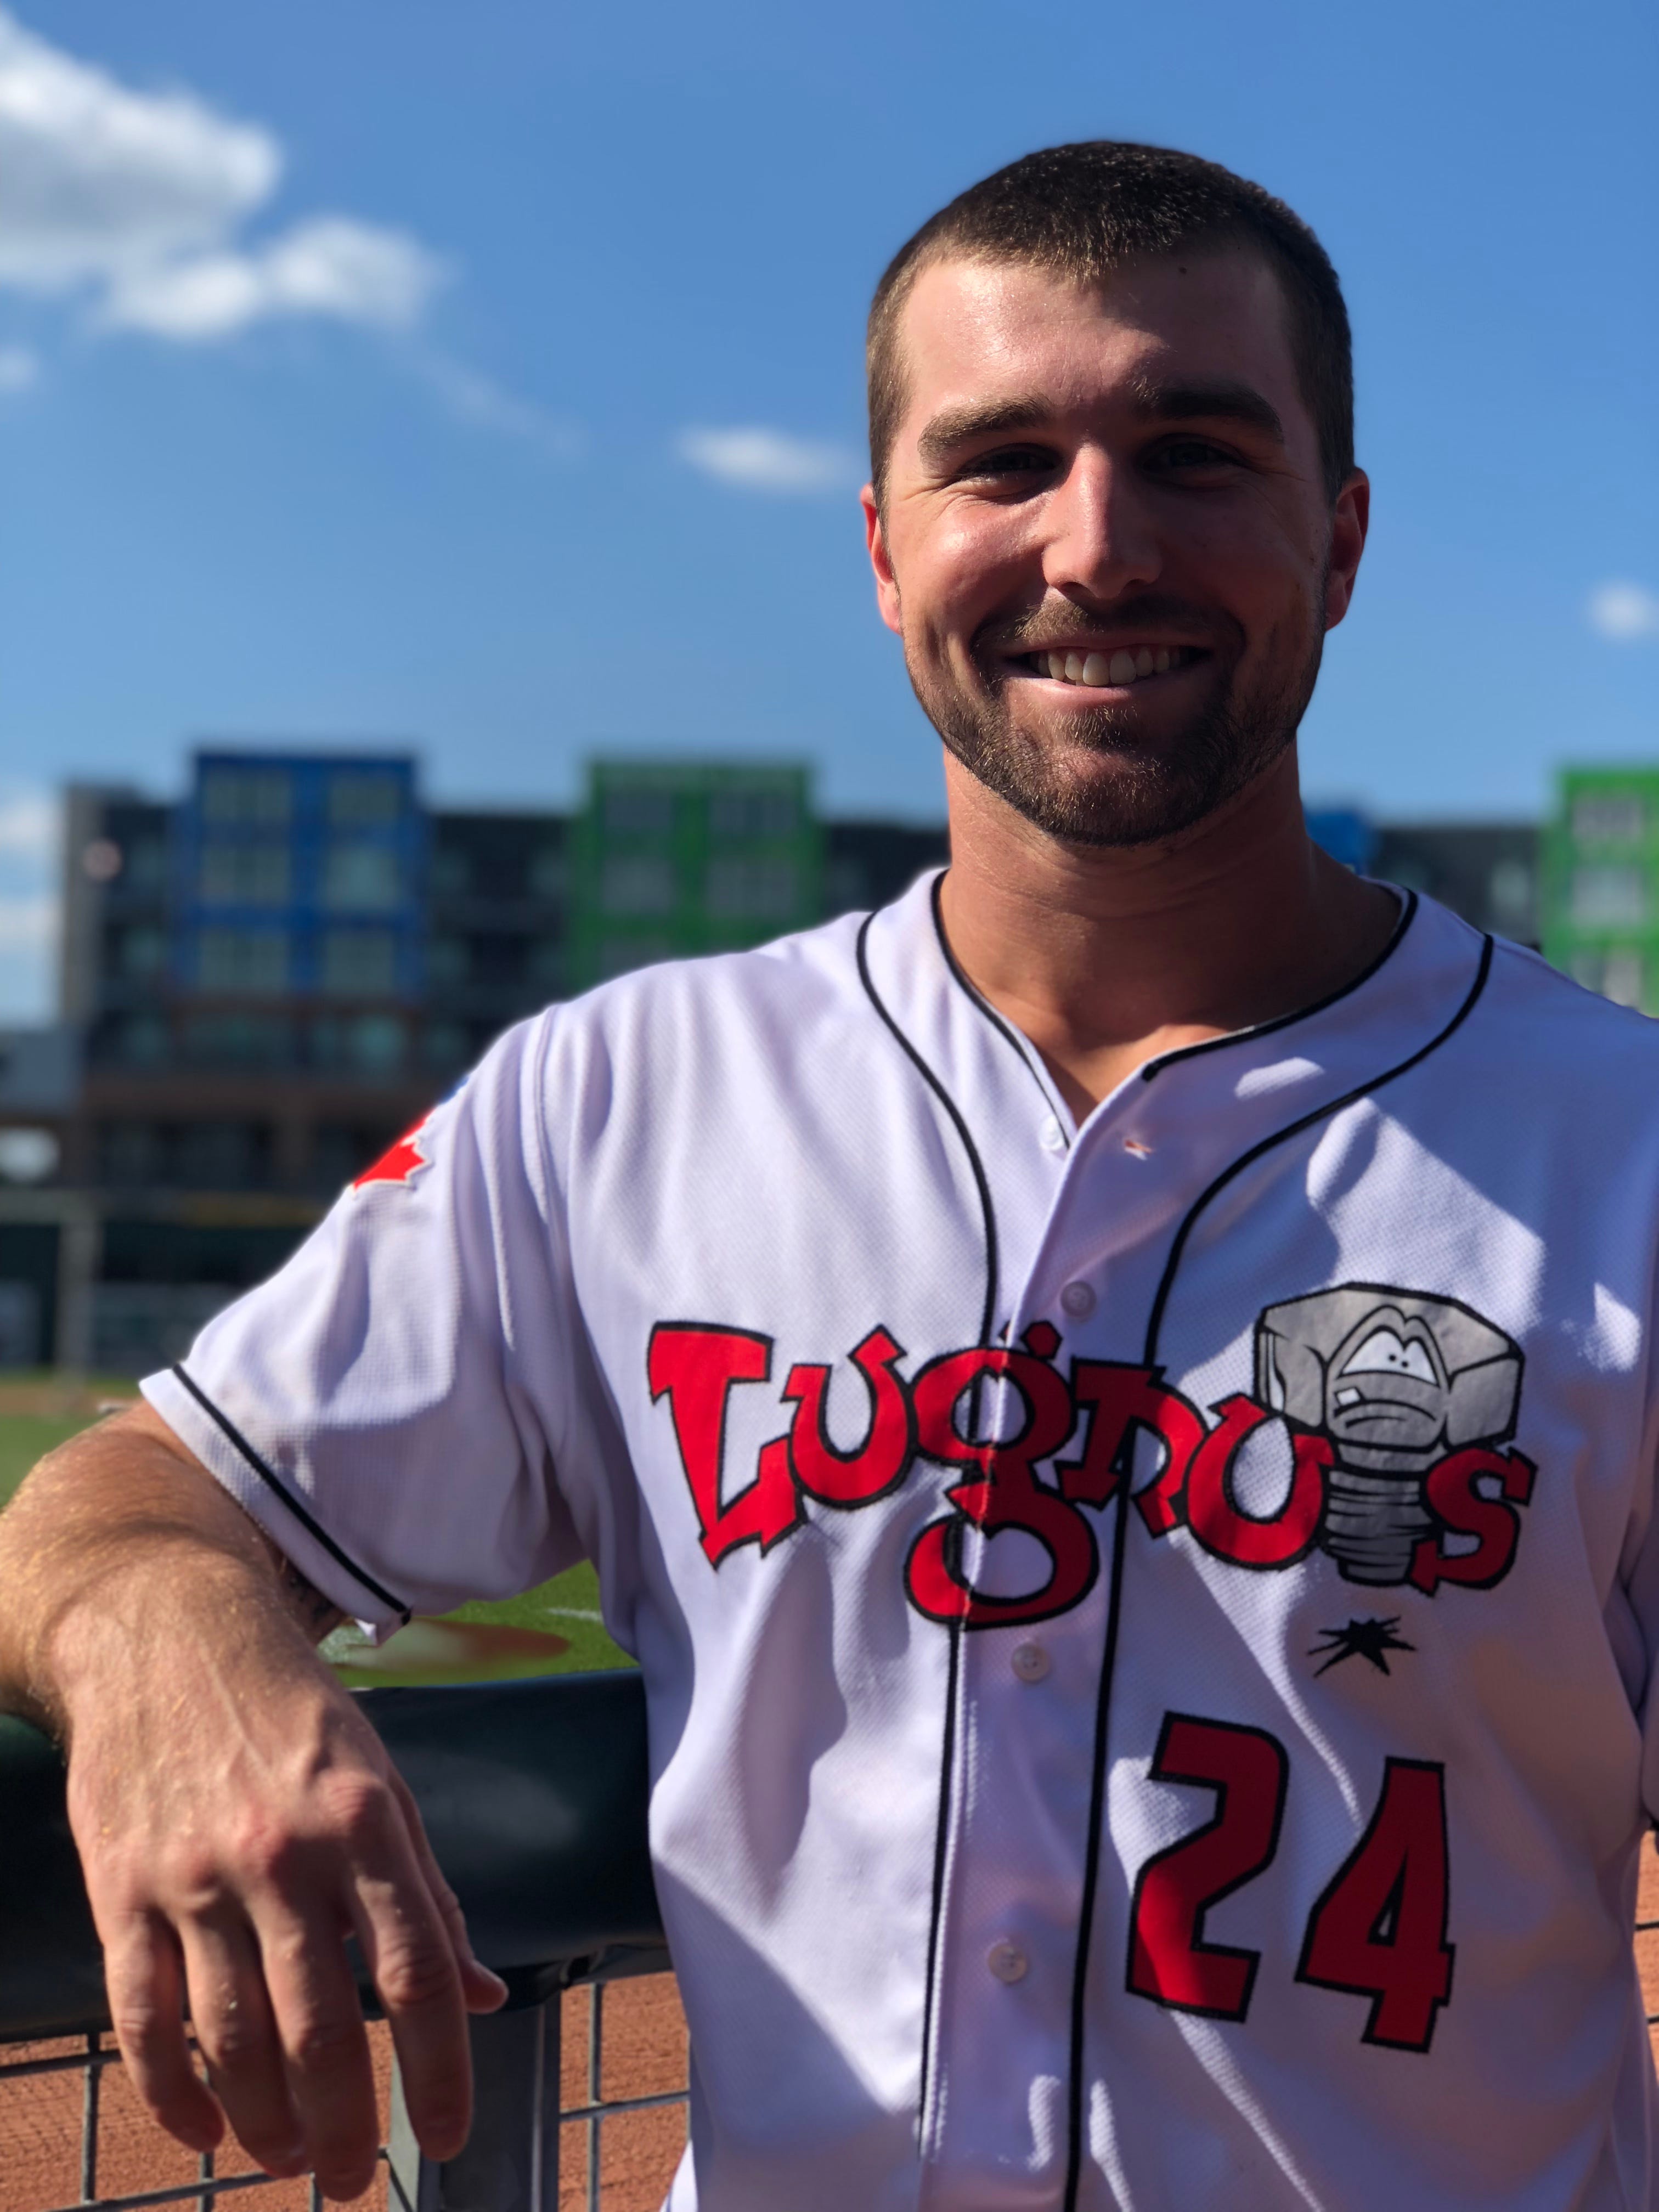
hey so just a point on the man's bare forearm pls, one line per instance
(123, 1527)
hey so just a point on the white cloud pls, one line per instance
(760, 459)
(349, 271)
(1625, 612)
(136, 200)
(476, 399)
(99, 177)
(19, 369)
(29, 826)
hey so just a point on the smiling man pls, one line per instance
(1113, 1399)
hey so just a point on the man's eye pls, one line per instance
(1008, 461)
(1192, 453)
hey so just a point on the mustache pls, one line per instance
(1055, 628)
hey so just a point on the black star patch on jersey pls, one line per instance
(1360, 1640)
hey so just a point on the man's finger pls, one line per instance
(144, 1977)
(237, 2038)
(482, 1989)
(411, 1961)
(325, 2048)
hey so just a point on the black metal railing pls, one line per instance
(534, 1797)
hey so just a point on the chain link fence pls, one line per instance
(580, 2108)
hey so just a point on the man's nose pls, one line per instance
(1100, 537)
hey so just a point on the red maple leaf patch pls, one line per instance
(398, 1162)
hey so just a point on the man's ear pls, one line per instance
(875, 539)
(1349, 523)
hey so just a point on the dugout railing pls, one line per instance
(533, 1794)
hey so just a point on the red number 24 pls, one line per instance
(1378, 1929)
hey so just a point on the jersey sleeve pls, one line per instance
(391, 1407)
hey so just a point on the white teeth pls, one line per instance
(1100, 668)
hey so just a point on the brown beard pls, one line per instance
(1155, 791)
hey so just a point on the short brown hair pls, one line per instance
(1084, 210)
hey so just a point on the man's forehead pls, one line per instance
(972, 330)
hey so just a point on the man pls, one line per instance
(1112, 1401)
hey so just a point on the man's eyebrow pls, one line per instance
(1222, 400)
(976, 418)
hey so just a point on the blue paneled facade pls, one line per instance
(300, 876)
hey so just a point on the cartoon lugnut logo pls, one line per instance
(1388, 1412)
(1397, 1383)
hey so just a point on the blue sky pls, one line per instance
(488, 379)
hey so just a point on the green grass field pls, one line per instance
(567, 1607)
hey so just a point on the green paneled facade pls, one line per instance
(669, 858)
(1601, 883)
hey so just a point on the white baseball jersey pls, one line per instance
(1147, 1628)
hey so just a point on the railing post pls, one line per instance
(510, 2162)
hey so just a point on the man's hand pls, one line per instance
(237, 1817)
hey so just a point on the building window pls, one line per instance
(363, 799)
(239, 1039)
(140, 1041)
(544, 967)
(620, 956)
(1609, 898)
(1609, 817)
(368, 1044)
(1622, 976)
(640, 883)
(247, 796)
(452, 872)
(751, 890)
(130, 1152)
(639, 813)
(244, 875)
(222, 1155)
(1510, 893)
(753, 814)
(444, 1044)
(360, 964)
(448, 961)
(147, 865)
(365, 876)
(140, 953)
(241, 960)
(548, 876)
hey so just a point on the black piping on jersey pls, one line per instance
(1103, 1708)
(972, 991)
(953, 1674)
(268, 1474)
(1402, 923)
(982, 1183)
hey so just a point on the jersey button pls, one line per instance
(1031, 1661)
(1051, 1136)
(1077, 1300)
(1007, 1962)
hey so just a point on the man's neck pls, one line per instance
(1105, 958)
